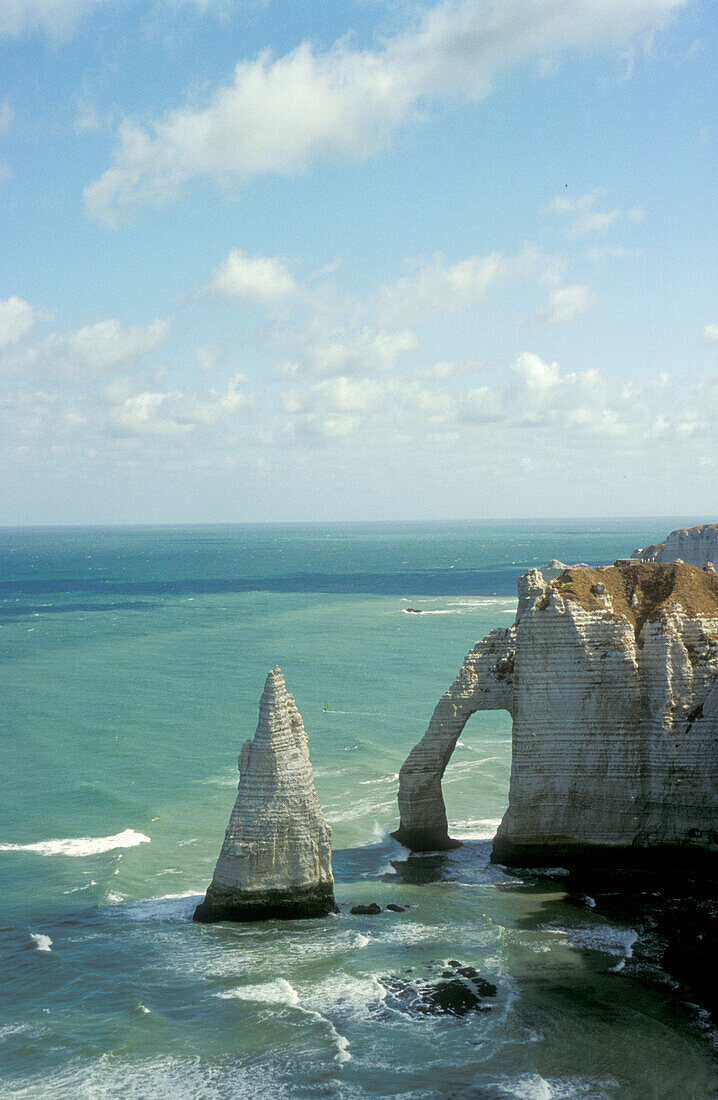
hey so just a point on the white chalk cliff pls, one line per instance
(611, 677)
(694, 545)
(276, 859)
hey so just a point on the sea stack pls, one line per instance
(611, 677)
(276, 859)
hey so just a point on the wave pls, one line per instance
(281, 992)
(480, 828)
(43, 943)
(112, 1075)
(532, 1086)
(169, 907)
(277, 992)
(81, 846)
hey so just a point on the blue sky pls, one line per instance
(357, 260)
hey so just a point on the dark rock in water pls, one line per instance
(674, 913)
(413, 611)
(581, 901)
(366, 910)
(397, 908)
(481, 985)
(453, 997)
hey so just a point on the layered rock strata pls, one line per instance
(276, 859)
(694, 545)
(611, 677)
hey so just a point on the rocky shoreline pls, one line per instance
(674, 913)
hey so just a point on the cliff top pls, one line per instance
(695, 530)
(639, 592)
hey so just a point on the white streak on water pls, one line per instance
(80, 846)
(43, 943)
(479, 828)
(280, 991)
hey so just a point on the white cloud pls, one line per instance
(281, 115)
(586, 219)
(383, 411)
(710, 332)
(558, 412)
(438, 288)
(174, 413)
(256, 280)
(17, 318)
(531, 370)
(342, 350)
(88, 350)
(564, 304)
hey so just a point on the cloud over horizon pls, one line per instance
(281, 115)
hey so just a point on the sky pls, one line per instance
(283, 260)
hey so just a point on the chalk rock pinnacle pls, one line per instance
(276, 859)
(611, 678)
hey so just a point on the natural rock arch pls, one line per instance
(485, 682)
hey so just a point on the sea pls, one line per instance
(133, 660)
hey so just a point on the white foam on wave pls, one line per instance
(277, 992)
(383, 780)
(532, 1086)
(478, 828)
(442, 611)
(282, 992)
(169, 907)
(79, 889)
(360, 940)
(82, 845)
(605, 937)
(42, 943)
(8, 1030)
(111, 1076)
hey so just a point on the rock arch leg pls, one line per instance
(485, 682)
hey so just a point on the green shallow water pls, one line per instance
(132, 665)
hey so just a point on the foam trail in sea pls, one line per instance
(80, 846)
(43, 943)
(280, 991)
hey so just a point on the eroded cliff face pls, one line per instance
(276, 858)
(694, 545)
(614, 698)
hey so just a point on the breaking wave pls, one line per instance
(82, 845)
(42, 943)
(281, 992)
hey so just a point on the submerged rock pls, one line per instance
(276, 859)
(455, 994)
(611, 677)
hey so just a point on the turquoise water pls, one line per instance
(132, 665)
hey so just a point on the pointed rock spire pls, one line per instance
(276, 859)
